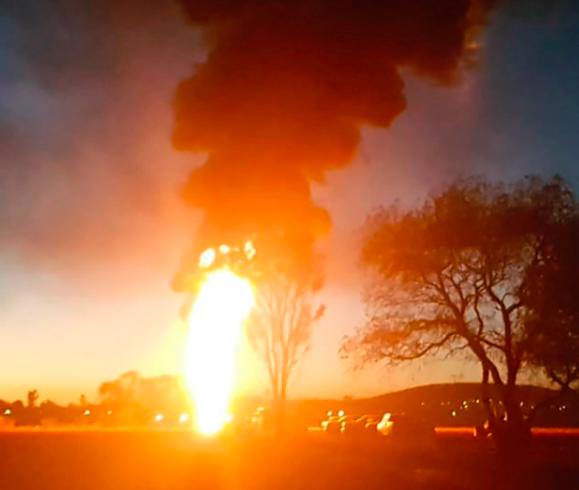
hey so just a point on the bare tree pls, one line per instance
(281, 326)
(451, 276)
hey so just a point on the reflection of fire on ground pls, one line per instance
(222, 303)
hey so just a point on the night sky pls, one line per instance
(93, 228)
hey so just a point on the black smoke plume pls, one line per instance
(285, 91)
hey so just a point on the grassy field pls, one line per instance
(179, 460)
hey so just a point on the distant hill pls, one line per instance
(447, 392)
(448, 404)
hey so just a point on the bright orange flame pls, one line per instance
(215, 327)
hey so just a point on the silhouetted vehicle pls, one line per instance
(403, 426)
(333, 424)
(364, 425)
(353, 426)
(349, 425)
(372, 422)
(262, 420)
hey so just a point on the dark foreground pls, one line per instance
(173, 460)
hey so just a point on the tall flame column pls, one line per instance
(215, 327)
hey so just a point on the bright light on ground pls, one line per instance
(215, 327)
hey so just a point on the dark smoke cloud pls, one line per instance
(87, 171)
(285, 91)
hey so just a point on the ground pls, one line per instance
(179, 460)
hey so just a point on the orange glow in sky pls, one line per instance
(215, 329)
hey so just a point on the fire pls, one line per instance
(215, 326)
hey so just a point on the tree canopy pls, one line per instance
(454, 275)
(552, 319)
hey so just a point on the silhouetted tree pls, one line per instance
(51, 412)
(121, 395)
(18, 405)
(552, 319)
(280, 327)
(451, 277)
(134, 399)
(32, 398)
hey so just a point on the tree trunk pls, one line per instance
(279, 409)
(511, 403)
(512, 433)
